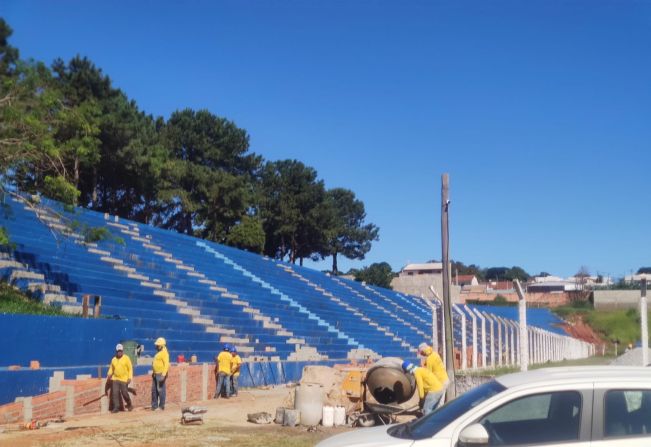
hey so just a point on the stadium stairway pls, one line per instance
(128, 291)
(272, 327)
(34, 284)
(381, 321)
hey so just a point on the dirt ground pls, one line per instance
(577, 328)
(225, 424)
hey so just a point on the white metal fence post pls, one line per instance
(644, 324)
(474, 336)
(523, 345)
(464, 342)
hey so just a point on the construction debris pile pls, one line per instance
(348, 395)
(192, 415)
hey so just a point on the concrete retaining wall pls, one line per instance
(535, 299)
(418, 285)
(616, 299)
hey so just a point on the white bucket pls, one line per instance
(309, 401)
(340, 416)
(328, 419)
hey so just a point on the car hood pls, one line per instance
(365, 437)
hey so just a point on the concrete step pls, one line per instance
(10, 263)
(219, 330)
(118, 225)
(71, 309)
(99, 252)
(233, 340)
(50, 298)
(25, 274)
(43, 287)
(163, 293)
(152, 285)
(124, 268)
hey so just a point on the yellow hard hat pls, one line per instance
(160, 341)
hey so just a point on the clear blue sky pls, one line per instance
(540, 111)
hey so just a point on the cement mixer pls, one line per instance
(370, 393)
(388, 383)
(391, 390)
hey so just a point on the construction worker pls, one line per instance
(120, 374)
(430, 389)
(160, 368)
(236, 363)
(223, 372)
(434, 363)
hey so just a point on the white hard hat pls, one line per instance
(160, 341)
(423, 346)
(119, 347)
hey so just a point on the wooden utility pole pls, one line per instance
(447, 302)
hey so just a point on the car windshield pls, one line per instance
(429, 425)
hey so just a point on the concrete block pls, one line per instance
(70, 401)
(205, 377)
(184, 385)
(54, 382)
(27, 409)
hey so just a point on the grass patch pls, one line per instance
(621, 325)
(14, 302)
(166, 434)
(596, 360)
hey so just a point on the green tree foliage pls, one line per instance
(205, 185)
(378, 273)
(463, 269)
(347, 234)
(68, 133)
(506, 274)
(60, 189)
(293, 209)
(8, 54)
(123, 178)
(4, 237)
(248, 234)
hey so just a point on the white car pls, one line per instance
(578, 406)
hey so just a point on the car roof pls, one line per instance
(575, 373)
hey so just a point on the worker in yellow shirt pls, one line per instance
(236, 363)
(430, 389)
(120, 374)
(434, 363)
(223, 372)
(160, 367)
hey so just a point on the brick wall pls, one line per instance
(185, 383)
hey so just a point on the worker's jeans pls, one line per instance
(157, 391)
(234, 385)
(432, 401)
(119, 389)
(223, 380)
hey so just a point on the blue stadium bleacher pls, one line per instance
(200, 294)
